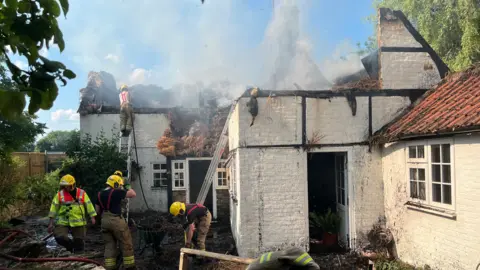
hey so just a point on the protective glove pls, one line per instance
(127, 185)
(188, 245)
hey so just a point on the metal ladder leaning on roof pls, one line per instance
(125, 147)
(217, 155)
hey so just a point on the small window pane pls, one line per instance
(446, 153)
(182, 183)
(447, 194)
(421, 174)
(412, 151)
(180, 165)
(421, 191)
(157, 175)
(177, 176)
(219, 174)
(177, 183)
(436, 153)
(181, 176)
(420, 151)
(413, 189)
(413, 175)
(156, 166)
(176, 165)
(436, 193)
(436, 173)
(446, 174)
(163, 166)
(163, 175)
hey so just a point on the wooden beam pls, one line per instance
(213, 255)
(184, 263)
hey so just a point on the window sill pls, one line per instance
(158, 188)
(431, 210)
(222, 187)
(179, 189)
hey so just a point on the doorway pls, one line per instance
(328, 193)
(197, 169)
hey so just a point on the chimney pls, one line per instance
(406, 60)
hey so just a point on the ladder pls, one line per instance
(125, 147)
(217, 155)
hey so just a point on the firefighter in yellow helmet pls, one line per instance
(126, 111)
(114, 227)
(119, 173)
(68, 209)
(290, 258)
(197, 218)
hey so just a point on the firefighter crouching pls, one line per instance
(197, 217)
(291, 258)
(114, 227)
(69, 207)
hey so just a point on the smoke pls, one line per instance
(188, 47)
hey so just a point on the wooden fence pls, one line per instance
(39, 163)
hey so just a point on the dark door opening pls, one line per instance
(197, 169)
(327, 191)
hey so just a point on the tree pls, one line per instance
(452, 28)
(57, 141)
(26, 27)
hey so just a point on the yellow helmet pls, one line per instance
(119, 173)
(124, 87)
(67, 180)
(176, 207)
(114, 181)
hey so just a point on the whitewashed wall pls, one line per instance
(424, 238)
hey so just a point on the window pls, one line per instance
(222, 182)
(178, 174)
(159, 171)
(430, 174)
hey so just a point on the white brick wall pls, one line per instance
(385, 109)
(424, 238)
(278, 122)
(272, 203)
(394, 34)
(148, 130)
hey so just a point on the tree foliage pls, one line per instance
(451, 27)
(18, 133)
(26, 27)
(58, 140)
(91, 162)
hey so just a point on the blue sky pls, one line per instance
(165, 41)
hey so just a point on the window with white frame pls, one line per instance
(159, 171)
(430, 173)
(222, 180)
(178, 169)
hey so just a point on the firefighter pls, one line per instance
(119, 173)
(68, 208)
(291, 258)
(114, 227)
(126, 111)
(197, 218)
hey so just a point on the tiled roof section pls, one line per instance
(454, 105)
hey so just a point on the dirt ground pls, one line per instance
(157, 241)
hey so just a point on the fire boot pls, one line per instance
(78, 245)
(65, 242)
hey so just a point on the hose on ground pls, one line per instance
(66, 259)
(18, 231)
(136, 155)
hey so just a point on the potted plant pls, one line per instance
(330, 223)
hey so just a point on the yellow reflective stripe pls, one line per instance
(307, 260)
(128, 260)
(269, 256)
(301, 257)
(262, 258)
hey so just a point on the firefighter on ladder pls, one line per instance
(197, 218)
(69, 207)
(126, 111)
(114, 227)
(291, 258)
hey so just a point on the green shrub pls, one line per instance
(384, 264)
(40, 189)
(329, 222)
(10, 180)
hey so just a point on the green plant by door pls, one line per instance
(329, 222)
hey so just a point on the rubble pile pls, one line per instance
(345, 261)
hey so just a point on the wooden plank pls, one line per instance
(183, 262)
(217, 256)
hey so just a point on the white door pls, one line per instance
(341, 186)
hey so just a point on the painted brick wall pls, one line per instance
(403, 69)
(333, 121)
(273, 209)
(278, 122)
(223, 204)
(179, 195)
(424, 238)
(94, 124)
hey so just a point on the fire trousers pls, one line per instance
(115, 231)
(126, 117)
(202, 229)
(61, 236)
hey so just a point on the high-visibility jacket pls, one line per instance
(124, 98)
(69, 211)
(284, 259)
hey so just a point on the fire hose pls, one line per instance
(18, 259)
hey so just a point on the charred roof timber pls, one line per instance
(412, 93)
